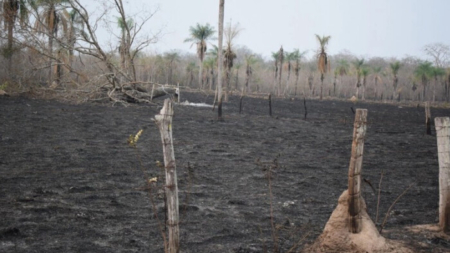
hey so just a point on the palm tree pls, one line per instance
(322, 62)
(200, 34)
(190, 68)
(376, 72)
(210, 63)
(231, 32)
(289, 57)
(48, 23)
(424, 72)
(358, 64)
(336, 73)
(250, 60)
(364, 72)
(394, 68)
(436, 72)
(297, 57)
(12, 8)
(75, 28)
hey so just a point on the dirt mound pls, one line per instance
(337, 238)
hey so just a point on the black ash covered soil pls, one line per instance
(69, 182)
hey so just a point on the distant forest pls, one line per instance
(54, 44)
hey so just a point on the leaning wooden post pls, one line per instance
(443, 143)
(428, 117)
(153, 90)
(164, 122)
(354, 171)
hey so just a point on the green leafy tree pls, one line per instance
(358, 63)
(395, 67)
(190, 68)
(297, 57)
(322, 57)
(199, 35)
(210, 63)
(424, 72)
(250, 60)
(364, 72)
(436, 73)
(231, 32)
(376, 76)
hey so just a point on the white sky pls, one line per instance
(385, 28)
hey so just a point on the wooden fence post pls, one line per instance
(443, 143)
(428, 117)
(164, 123)
(270, 104)
(354, 172)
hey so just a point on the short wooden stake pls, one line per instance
(179, 92)
(428, 117)
(354, 171)
(164, 123)
(270, 105)
(443, 143)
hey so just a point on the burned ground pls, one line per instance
(70, 183)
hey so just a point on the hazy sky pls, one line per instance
(386, 28)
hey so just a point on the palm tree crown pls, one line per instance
(323, 59)
(200, 34)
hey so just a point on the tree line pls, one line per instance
(55, 43)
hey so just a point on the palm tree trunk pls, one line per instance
(321, 86)
(219, 56)
(200, 75)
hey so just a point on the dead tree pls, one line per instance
(164, 123)
(354, 172)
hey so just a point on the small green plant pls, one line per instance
(4, 85)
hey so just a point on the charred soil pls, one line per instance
(70, 182)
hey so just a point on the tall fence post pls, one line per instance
(443, 142)
(354, 172)
(164, 123)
